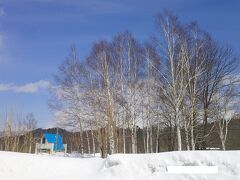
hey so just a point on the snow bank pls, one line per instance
(20, 166)
(17, 166)
(155, 165)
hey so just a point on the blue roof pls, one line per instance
(56, 139)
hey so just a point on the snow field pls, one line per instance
(19, 166)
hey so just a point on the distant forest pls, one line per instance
(22, 143)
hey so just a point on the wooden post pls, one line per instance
(36, 148)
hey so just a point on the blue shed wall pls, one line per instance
(56, 139)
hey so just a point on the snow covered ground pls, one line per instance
(19, 166)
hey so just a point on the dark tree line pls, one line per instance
(17, 134)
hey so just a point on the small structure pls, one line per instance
(51, 143)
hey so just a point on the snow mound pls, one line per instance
(155, 165)
(20, 166)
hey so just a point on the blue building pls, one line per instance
(51, 143)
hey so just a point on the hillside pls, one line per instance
(232, 143)
(166, 139)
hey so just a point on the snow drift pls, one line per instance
(19, 166)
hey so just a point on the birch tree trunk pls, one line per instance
(109, 106)
(81, 139)
(93, 142)
(157, 139)
(88, 143)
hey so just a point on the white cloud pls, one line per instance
(93, 6)
(2, 12)
(26, 88)
(5, 87)
(1, 41)
(232, 79)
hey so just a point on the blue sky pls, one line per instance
(35, 36)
